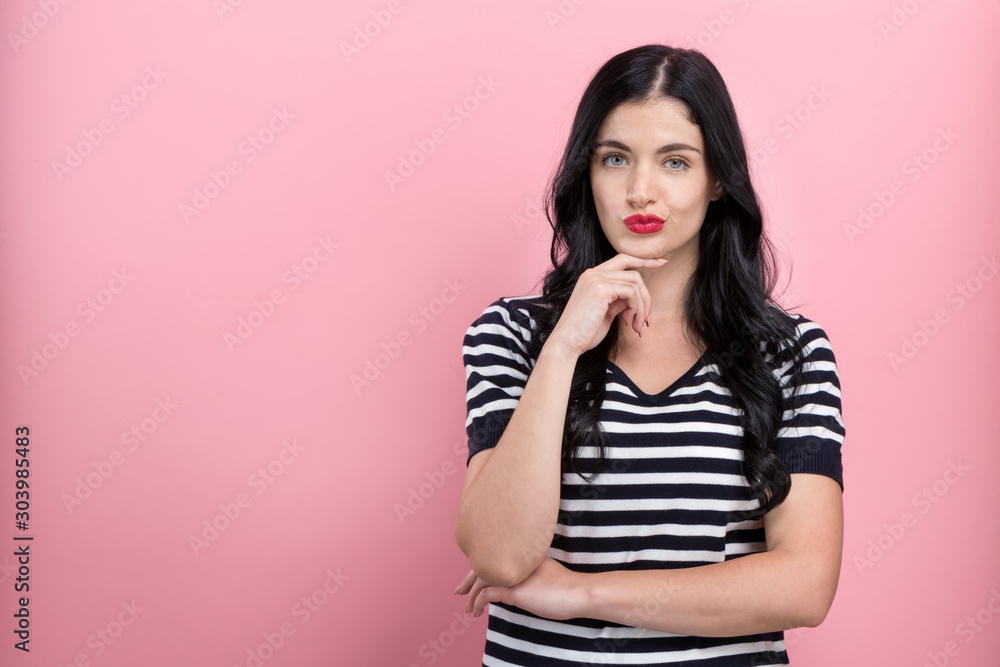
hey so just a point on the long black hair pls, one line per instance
(729, 306)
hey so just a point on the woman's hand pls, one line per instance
(551, 591)
(600, 294)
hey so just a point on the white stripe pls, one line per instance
(681, 451)
(710, 368)
(622, 658)
(818, 431)
(820, 365)
(650, 530)
(807, 350)
(567, 628)
(490, 661)
(492, 348)
(655, 505)
(501, 404)
(823, 366)
(745, 547)
(680, 408)
(485, 384)
(492, 327)
(641, 530)
(714, 478)
(816, 409)
(813, 409)
(621, 557)
(682, 427)
(704, 386)
(812, 388)
(570, 629)
(613, 387)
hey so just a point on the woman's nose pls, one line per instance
(640, 189)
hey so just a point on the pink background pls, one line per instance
(404, 271)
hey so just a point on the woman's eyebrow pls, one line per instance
(669, 148)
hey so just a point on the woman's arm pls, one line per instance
(509, 509)
(792, 584)
(510, 504)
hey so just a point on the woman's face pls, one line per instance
(650, 159)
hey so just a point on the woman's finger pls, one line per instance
(623, 261)
(489, 594)
(475, 592)
(466, 584)
(644, 303)
(633, 296)
(640, 289)
(600, 295)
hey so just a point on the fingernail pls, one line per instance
(456, 590)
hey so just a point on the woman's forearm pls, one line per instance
(760, 592)
(508, 513)
(791, 584)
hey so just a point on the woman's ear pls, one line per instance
(718, 191)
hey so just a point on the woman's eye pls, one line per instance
(616, 160)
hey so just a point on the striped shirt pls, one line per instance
(668, 497)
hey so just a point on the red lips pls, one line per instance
(641, 219)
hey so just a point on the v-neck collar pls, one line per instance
(666, 393)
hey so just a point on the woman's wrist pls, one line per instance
(558, 350)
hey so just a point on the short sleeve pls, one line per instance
(496, 370)
(812, 430)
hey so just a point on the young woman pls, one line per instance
(654, 470)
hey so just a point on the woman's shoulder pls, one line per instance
(804, 330)
(505, 327)
(515, 312)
